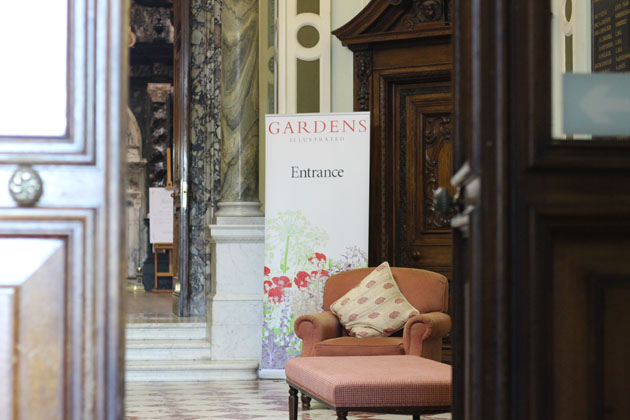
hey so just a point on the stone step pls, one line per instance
(167, 350)
(166, 331)
(190, 371)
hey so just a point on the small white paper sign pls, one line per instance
(160, 215)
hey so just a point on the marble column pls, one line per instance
(234, 307)
(239, 109)
(160, 122)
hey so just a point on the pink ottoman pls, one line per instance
(380, 384)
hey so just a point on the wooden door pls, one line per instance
(402, 52)
(426, 236)
(410, 158)
(542, 274)
(181, 60)
(61, 216)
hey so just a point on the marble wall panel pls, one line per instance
(239, 118)
(205, 136)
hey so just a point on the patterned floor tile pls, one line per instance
(245, 400)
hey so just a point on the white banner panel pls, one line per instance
(316, 210)
(160, 215)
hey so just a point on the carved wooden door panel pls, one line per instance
(411, 157)
(61, 215)
(426, 237)
(542, 274)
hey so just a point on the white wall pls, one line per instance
(342, 80)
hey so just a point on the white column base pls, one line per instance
(239, 208)
(271, 374)
(234, 307)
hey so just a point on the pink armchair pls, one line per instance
(323, 335)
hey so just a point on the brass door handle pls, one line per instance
(446, 204)
(175, 195)
(459, 207)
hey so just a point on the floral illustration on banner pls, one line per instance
(295, 273)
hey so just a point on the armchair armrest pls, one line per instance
(314, 328)
(423, 334)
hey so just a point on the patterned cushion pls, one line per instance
(375, 307)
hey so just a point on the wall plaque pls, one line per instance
(611, 35)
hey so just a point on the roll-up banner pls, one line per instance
(316, 218)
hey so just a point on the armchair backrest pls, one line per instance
(425, 290)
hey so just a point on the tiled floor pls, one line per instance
(261, 400)
(144, 306)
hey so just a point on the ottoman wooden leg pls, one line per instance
(341, 415)
(416, 416)
(293, 403)
(306, 402)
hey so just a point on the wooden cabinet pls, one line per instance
(402, 75)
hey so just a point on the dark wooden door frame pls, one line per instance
(181, 106)
(533, 190)
(481, 281)
(589, 199)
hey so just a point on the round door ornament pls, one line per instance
(26, 186)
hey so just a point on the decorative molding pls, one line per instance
(406, 145)
(77, 229)
(290, 51)
(433, 136)
(436, 132)
(449, 17)
(159, 92)
(449, 11)
(77, 146)
(383, 229)
(363, 71)
(400, 237)
(425, 11)
(152, 24)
